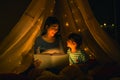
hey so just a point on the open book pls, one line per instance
(54, 60)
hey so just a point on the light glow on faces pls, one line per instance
(52, 30)
(71, 44)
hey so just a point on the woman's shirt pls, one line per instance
(41, 45)
(77, 57)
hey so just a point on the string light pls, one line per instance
(86, 48)
(67, 24)
(79, 30)
(113, 24)
(51, 11)
(104, 24)
(76, 21)
(71, 1)
(101, 25)
(65, 15)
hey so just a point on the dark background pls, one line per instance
(105, 11)
(10, 13)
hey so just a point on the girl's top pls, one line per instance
(78, 57)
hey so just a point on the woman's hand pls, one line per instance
(37, 63)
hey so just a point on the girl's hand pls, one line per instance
(71, 44)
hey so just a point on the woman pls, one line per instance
(47, 42)
(50, 37)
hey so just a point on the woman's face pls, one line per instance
(52, 30)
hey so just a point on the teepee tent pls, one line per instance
(75, 16)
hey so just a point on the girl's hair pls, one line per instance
(49, 21)
(76, 38)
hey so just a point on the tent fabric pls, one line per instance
(75, 16)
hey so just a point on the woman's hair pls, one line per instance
(76, 38)
(49, 21)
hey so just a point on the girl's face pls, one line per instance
(52, 30)
(71, 44)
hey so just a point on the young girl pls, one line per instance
(76, 54)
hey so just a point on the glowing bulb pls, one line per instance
(65, 15)
(67, 24)
(79, 30)
(51, 11)
(86, 49)
(113, 24)
(104, 24)
(101, 25)
(76, 21)
(71, 1)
